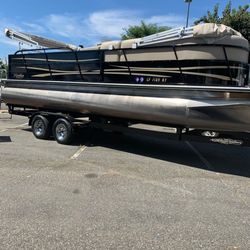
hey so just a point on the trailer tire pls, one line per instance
(63, 131)
(41, 127)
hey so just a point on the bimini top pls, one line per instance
(37, 41)
(208, 33)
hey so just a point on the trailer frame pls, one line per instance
(124, 126)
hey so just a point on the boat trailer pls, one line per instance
(63, 127)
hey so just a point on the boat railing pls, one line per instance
(123, 51)
(45, 51)
(59, 49)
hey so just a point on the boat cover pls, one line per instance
(208, 33)
(219, 34)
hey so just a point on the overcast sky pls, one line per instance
(90, 21)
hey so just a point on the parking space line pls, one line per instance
(18, 126)
(21, 125)
(144, 180)
(201, 157)
(78, 152)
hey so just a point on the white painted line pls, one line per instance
(78, 152)
(202, 158)
(21, 125)
(18, 126)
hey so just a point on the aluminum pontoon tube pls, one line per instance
(203, 114)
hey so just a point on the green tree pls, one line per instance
(3, 69)
(142, 30)
(238, 19)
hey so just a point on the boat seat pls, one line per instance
(128, 44)
(111, 55)
(111, 45)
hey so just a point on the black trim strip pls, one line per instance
(47, 60)
(177, 59)
(69, 86)
(127, 63)
(228, 65)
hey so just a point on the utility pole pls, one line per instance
(188, 10)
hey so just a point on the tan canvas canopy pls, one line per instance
(208, 33)
(214, 30)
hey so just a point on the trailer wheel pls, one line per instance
(40, 127)
(63, 131)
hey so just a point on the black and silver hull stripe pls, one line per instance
(182, 91)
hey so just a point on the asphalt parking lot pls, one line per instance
(113, 191)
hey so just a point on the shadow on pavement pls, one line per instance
(226, 159)
(5, 139)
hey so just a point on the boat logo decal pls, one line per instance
(139, 79)
(18, 76)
